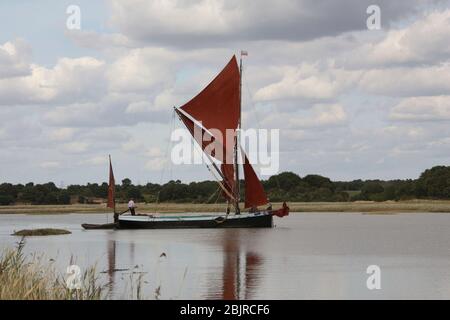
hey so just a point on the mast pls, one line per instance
(236, 144)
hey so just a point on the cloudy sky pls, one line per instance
(350, 102)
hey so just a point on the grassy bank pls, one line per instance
(359, 206)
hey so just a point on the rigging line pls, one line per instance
(249, 92)
(213, 173)
(212, 195)
(171, 144)
(217, 199)
(166, 152)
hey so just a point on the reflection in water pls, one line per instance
(253, 264)
(111, 262)
(131, 251)
(240, 269)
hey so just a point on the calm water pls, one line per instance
(307, 256)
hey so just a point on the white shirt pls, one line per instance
(131, 204)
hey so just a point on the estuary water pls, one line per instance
(306, 256)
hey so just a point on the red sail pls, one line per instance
(111, 187)
(254, 191)
(217, 106)
(229, 181)
(226, 169)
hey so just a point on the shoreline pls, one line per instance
(367, 207)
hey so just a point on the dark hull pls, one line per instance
(262, 221)
(89, 226)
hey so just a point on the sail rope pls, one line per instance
(252, 103)
(166, 154)
(212, 195)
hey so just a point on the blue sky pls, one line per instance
(42, 24)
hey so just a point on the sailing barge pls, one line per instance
(214, 112)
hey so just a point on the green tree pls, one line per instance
(126, 183)
(435, 182)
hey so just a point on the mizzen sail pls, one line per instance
(254, 192)
(111, 188)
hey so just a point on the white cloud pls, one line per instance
(95, 161)
(132, 145)
(140, 70)
(308, 82)
(76, 147)
(79, 79)
(156, 164)
(404, 81)
(50, 164)
(323, 115)
(425, 40)
(61, 134)
(206, 23)
(154, 152)
(396, 131)
(100, 41)
(422, 109)
(14, 59)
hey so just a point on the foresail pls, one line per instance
(200, 135)
(254, 192)
(226, 170)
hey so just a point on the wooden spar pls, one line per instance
(236, 143)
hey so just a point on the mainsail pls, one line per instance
(217, 111)
(217, 106)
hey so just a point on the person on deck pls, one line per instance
(131, 207)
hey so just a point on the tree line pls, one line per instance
(433, 183)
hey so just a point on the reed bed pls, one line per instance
(31, 277)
